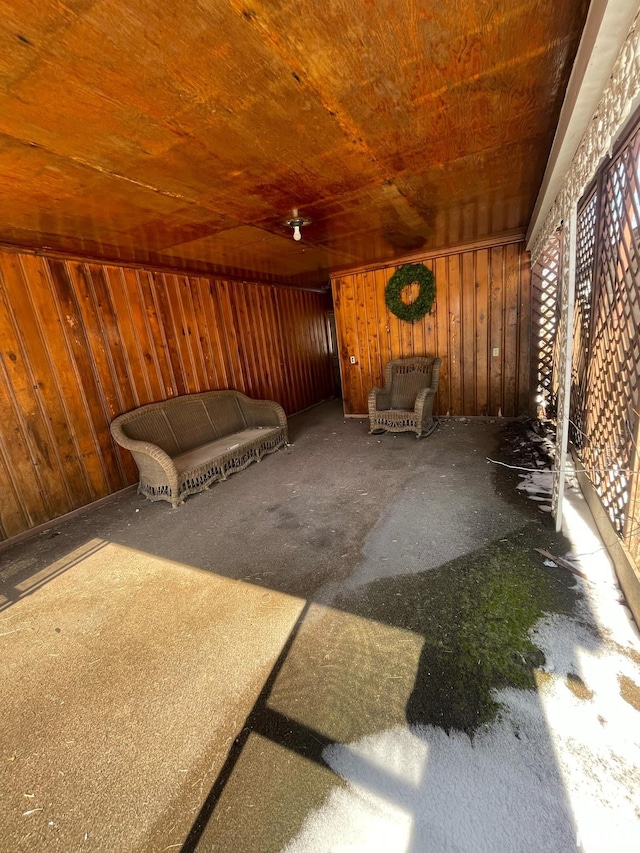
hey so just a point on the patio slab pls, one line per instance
(179, 679)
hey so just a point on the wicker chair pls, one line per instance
(405, 404)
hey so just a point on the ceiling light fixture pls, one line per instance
(296, 223)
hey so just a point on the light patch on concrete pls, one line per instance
(124, 681)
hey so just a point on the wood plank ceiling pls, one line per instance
(184, 134)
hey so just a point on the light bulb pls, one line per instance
(296, 233)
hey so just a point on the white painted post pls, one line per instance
(564, 391)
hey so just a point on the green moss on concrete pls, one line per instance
(475, 615)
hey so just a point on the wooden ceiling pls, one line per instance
(184, 134)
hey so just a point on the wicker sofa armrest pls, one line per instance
(148, 456)
(263, 413)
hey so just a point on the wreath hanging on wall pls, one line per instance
(410, 274)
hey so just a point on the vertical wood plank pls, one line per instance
(441, 272)
(525, 405)
(468, 332)
(455, 342)
(482, 333)
(496, 402)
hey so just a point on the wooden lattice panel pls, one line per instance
(614, 393)
(585, 256)
(544, 283)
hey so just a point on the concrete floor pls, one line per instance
(170, 677)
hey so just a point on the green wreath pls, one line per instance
(408, 274)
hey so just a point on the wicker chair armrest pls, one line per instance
(379, 399)
(424, 399)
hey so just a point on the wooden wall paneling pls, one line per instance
(300, 336)
(253, 352)
(138, 322)
(118, 467)
(324, 353)
(341, 310)
(128, 335)
(316, 328)
(419, 333)
(429, 323)
(234, 335)
(205, 342)
(395, 325)
(178, 289)
(12, 519)
(375, 360)
(194, 362)
(361, 367)
(496, 272)
(357, 347)
(378, 281)
(468, 331)
(199, 349)
(86, 415)
(511, 335)
(483, 354)
(286, 368)
(294, 395)
(22, 445)
(225, 291)
(482, 302)
(441, 273)
(109, 320)
(271, 344)
(16, 515)
(56, 323)
(525, 403)
(35, 388)
(256, 316)
(172, 332)
(220, 341)
(264, 321)
(81, 343)
(259, 304)
(293, 398)
(455, 342)
(306, 330)
(310, 332)
(158, 348)
(110, 383)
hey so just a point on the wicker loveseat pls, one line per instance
(184, 444)
(405, 404)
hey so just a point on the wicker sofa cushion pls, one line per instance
(199, 456)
